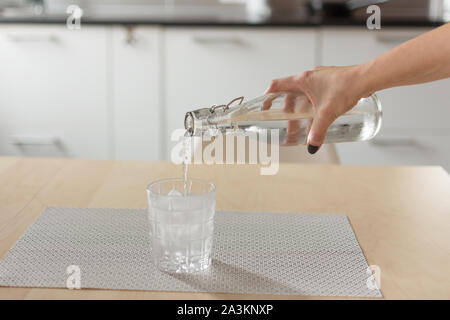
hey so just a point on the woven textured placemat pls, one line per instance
(263, 253)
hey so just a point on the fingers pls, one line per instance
(303, 104)
(267, 103)
(293, 126)
(321, 121)
(289, 103)
(283, 84)
(292, 133)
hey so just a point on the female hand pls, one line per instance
(293, 103)
(332, 91)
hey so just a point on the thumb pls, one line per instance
(319, 127)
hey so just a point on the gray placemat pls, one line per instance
(263, 253)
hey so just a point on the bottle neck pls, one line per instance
(197, 120)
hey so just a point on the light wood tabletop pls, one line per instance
(400, 215)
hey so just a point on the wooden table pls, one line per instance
(401, 215)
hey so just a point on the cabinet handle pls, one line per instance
(394, 142)
(34, 140)
(21, 38)
(218, 40)
(130, 37)
(357, 4)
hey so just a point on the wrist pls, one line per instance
(361, 78)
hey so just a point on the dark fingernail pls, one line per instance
(312, 149)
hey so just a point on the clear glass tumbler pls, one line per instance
(181, 216)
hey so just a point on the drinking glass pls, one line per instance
(181, 216)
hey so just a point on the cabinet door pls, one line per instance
(136, 93)
(400, 147)
(53, 99)
(213, 66)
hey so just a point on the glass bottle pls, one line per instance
(290, 113)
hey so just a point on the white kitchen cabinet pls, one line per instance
(115, 92)
(400, 147)
(206, 66)
(413, 116)
(53, 99)
(136, 93)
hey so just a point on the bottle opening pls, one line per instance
(189, 123)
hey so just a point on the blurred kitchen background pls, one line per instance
(118, 87)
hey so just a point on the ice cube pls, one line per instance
(174, 192)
